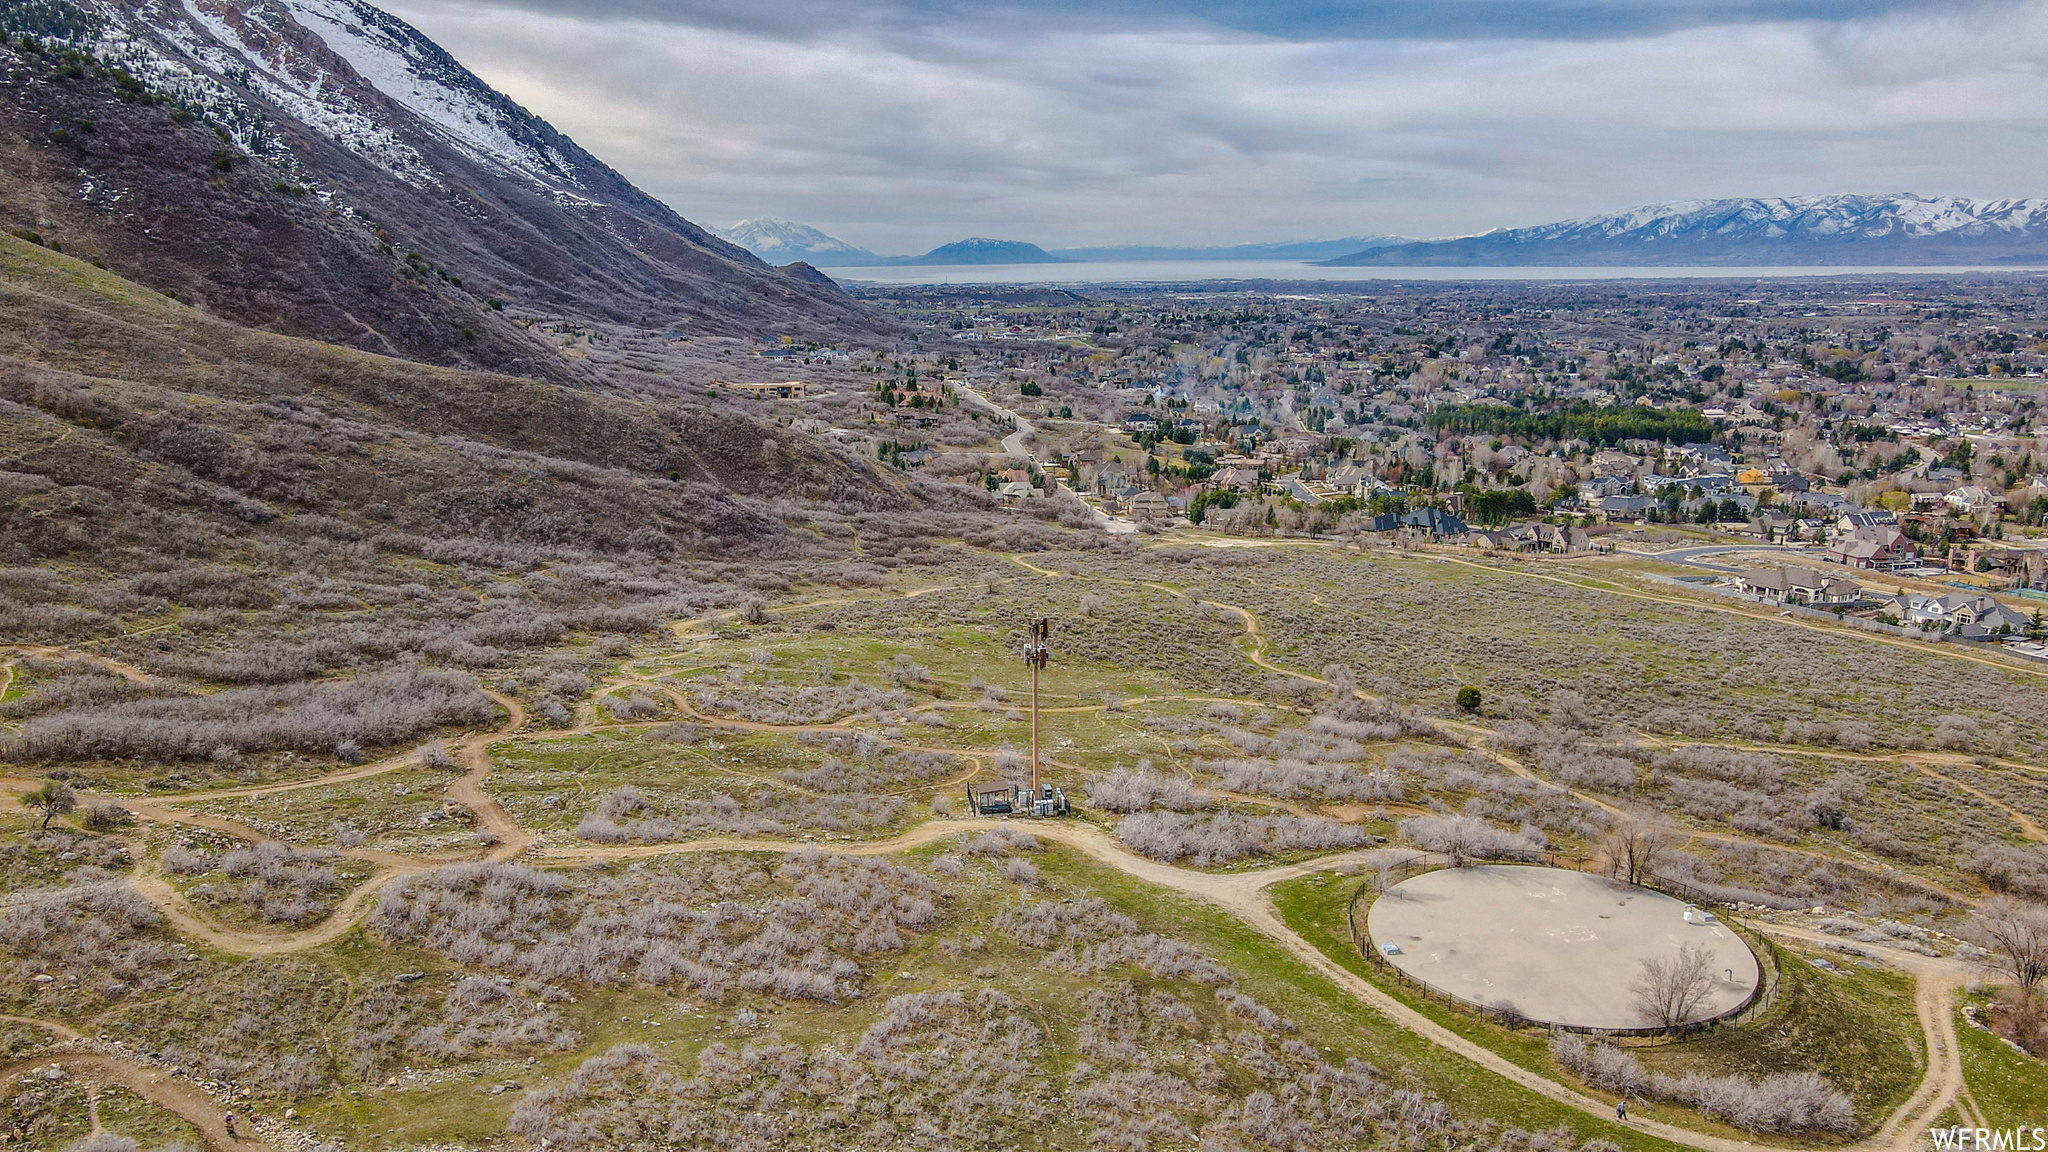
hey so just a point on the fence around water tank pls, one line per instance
(1759, 996)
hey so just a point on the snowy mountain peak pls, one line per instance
(344, 69)
(781, 241)
(1847, 230)
(1838, 217)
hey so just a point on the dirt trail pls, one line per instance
(468, 789)
(127, 672)
(1936, 981)
(248, 941)
(926, 833)
(159, 1087)
(1242, 895)
(2027, 825)
(259, 942)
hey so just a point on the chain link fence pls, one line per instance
(1390, 875)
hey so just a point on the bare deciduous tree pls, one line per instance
(2016, 935)
(1634, 845)
(55, 798)
(1670, 990)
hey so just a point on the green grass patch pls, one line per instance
(399, 811)
(1855, 1026)
(2010, 1089)
(1861, 1033)
(142, 1120)
(1328, 1015)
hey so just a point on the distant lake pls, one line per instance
(1190, 271)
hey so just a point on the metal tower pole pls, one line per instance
(1034, 731)
(1035, 654)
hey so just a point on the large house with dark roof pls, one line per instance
(1806, 586)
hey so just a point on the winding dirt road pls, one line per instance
(1242, 895)
(153, 1084)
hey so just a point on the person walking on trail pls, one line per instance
(227, 1121)
(1620, 1109)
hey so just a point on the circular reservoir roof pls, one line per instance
(1563, 947)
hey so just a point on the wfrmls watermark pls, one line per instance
(1991, 1139)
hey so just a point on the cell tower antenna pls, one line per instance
(1035, 655)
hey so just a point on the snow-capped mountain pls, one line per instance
(288, 161)
(781, 241)
(1845, 230)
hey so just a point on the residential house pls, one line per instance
(1882, 549)
(1851, 521)
(1970, 615)
(1602, 487)
(1562, 539)
(1622, 508)
(1742, 502)
(1975, 500)
(1798, 586)
(1234, 477)
(1609, 463)
(1111, 477)
(1821, 503)
(1698, 459)
(1147, 506)
(1351, 478)
(1295, 446)
(1433, 522)
(1771, 526)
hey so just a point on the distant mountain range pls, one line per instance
(781, 242)
(976, 250)
(1898, 229)
(1846, 230)
(1286, 250)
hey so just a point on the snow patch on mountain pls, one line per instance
(209, 54)
(1800, 217)
(252, 48)
(781, 241)
(414, 72)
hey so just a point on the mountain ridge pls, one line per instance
(1845, 229)
(321, 168)
(980, 250)
(782, 242)
(1276, 250)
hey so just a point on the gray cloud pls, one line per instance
(902, 126)
(811, 20)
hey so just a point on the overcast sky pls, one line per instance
(899, 124)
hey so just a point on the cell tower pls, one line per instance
(1036, 653)
(1042, 799)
